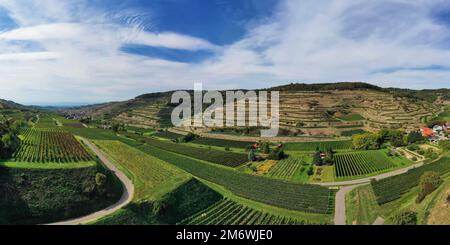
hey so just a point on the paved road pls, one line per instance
(125, 199)
(379, 221)
(339, 209)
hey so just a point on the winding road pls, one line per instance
(127, 196)
(125, 199)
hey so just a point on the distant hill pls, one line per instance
(6, 104)
(308, 109)
(326, 86)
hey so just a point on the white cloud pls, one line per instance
(306, 40)
(29, 56)
(171, 40)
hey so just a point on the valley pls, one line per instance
(358, 142)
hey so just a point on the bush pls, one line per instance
(413, 147)
(429, 182)
(404, 218)
(367, 141)
(276, 154)
(310, 171)
(445, 144)
(415, 137)
(100, 179)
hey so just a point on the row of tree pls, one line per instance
(374, 141)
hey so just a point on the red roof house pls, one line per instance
(427, 132)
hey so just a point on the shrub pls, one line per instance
(429, 182)
(100, 179)
(415, 137)
(276, 154)
(367, 141)
(445, 144)
(189, 137)
(413, 147)
(404, 218)
(310, 171)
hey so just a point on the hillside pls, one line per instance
(305, 109)
(6, 104)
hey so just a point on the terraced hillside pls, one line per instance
(304, 110)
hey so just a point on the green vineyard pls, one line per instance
(50, 146)
(222, 142)
(390, 189)
(361, 163)
(229, 159)
(167, 135)
(322, 145)
(228, 212)
(293, 196)
(287, 168)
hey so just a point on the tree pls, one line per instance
(367, 141)
(265, 147)
(404, 218)
(429, 182)
(100, 179)
(276, 154)
(189, 137)
(317, 159)
(415, 137)
(252, 155)
(8, 144)
(395, 137)
(329, 157)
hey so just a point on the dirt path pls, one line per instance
(125, 199)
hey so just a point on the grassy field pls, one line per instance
(350, 133)
(351, 118)
(439, 212)
(294, 168)
(307, 198)
(148, 173)
(362, 207)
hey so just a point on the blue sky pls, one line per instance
(65, 51)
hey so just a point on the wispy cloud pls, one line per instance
(75, 51)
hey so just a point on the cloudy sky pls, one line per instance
(55, 51)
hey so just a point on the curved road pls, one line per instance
(125, 199)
